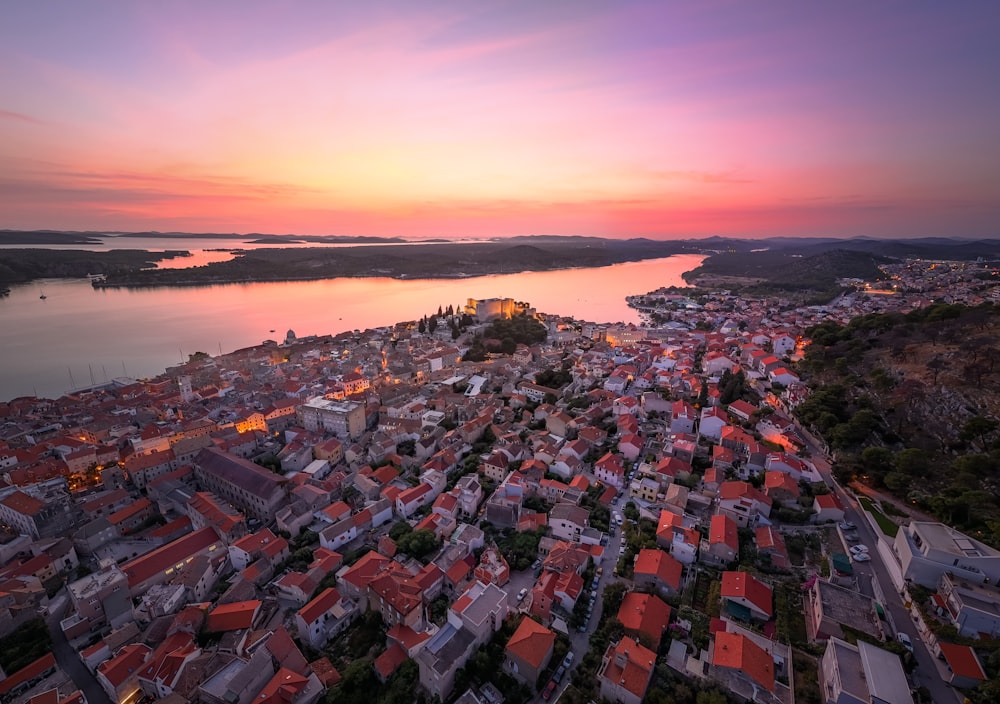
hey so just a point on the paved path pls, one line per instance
(70, 662)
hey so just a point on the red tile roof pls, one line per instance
(23, 503)
(389, 661)
(323, 602)
(723, 530)
(531, 642)
(638, 670)
(736, 651)
(283, 688)
(28, 673)
(736, 585)
(147, 566)
(962, 660)
(129, 659)
(667, 570)
(646, 614)
(232, 617)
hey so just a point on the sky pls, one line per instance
(486, 119)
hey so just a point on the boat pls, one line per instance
(42, 296)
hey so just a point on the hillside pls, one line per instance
(787, 271)
(909, 404)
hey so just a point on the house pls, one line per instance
(682, 417)
(672, 534)
(398, 596)
(119, 676)
(723, 545)
(779, 486)
(713, 420)
(159, 565)
(657, 569)
(442, 656)
(973, 609)
(164, 668)
(625, 672)
(829, 607)
(771, 543)
(827, 507)
(741, 655)
(413, 498)
(927, 550)
(741, 410)
(743, 503)
(745, 597)
(965, 668)
(644, 617)
(528, 651)
(568, 521)
(353, 580)
(324, 617)
(234, 616)
(610, 470)
(862, 673)
(252, 547)
(787, 463)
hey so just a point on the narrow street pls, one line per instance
(70, 662)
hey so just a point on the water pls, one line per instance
(79, 335)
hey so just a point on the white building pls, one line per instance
(926, 551)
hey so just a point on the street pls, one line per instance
(69, 661)
(928, 672)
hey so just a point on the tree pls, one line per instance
(422, 326)
(418, 543)
(979, 428)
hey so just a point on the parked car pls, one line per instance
(847, 525)
(861, 557)
(600, 572)
(905, 640)
(550, 688)
(523, 593)
(568, 660)
(859, 548)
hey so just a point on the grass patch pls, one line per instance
(887, 526)
(789, 617)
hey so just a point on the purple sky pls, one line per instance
(660, 119)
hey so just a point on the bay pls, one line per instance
(78, 335)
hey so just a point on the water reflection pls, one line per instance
(78, 333)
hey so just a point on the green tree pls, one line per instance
(418, 543)
(979, 428)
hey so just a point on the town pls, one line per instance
(491, 504)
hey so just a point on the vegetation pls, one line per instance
(25, 645)
(520, 549)
(887, 526)
(906, 403)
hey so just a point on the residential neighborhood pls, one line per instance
(612, 513)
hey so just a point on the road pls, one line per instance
(68, 660)
(580, 642)
(928, 672)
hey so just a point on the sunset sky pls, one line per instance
(475, 119)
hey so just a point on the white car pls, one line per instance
(859, 548)
(905, 640)
(523, 593)
(861, 557)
